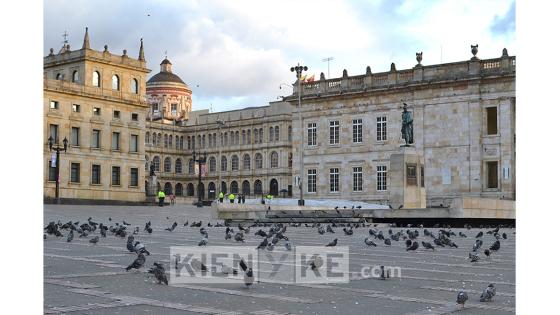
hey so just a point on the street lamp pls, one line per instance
(299, 69)
(56, 146)
(201, 160)
(219, 159)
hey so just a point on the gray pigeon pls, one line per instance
(387, 242)
(474, 257)
(140, 248)
(203, 241)
(369, 242)
(287, 244)
(480, 234)
(159, 272)
(462, 297)
(414, 246)
(488, 293)
(137, 263)
(428, 245)
(263, 244)
(248, 278)
(70, 236)
(94, 240)
(495, 246)
(130, 243)
(333, 243)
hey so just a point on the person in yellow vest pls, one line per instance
(161, 196)
(231, 198)
(221, 196)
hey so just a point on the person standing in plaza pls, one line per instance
(161, 196)
(243, 198)
(231, 198)
(172, 199)
(239, 198)
(221, 196)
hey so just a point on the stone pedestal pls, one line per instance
(404, 188)
(152, 186)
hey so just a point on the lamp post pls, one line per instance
(299, 69)
(56, 146)
(201, 160)
(219, 159)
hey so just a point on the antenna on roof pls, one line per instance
(328, 60)
(166, 54)
(65, 35)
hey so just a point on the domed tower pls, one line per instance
(170, 98)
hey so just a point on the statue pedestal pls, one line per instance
(406, 178)
(152, 186)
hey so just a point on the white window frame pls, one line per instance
(357, 130)
(357, 179)
(312, 180)
(334, 132)
(312, 134)
(381, 177)
(334, 180)
(381, 128)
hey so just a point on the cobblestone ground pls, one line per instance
(82, 278)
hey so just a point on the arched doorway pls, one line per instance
(234, 187)
(211, 191)
(201, 190)
(258, 187)
(168, 189)
(224, 187)
(179, 189)
(190, 189)
(273, 187)
(246, 187)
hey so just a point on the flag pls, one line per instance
(310, 79)
(302, 78)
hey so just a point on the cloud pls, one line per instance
(239, 52)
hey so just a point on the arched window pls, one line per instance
(190, 189)
(95, 79)
(234, 187)
(178, 166)
(181, 143)
(258, 161)
(225, 139)
(224, 187)
(237, 137)
(134, 86)
(246, 162)
(178, 189)
(154, 138)
(256, 135)
(224, 164)
(211, 190)
(75, 76)
(276, 133)
(215, 138)
(147, 138)
(261, 135)
(156, 163)
(273, 159)
(191, 166)
(246, 187)
(289, 133)
(271, 134)
(243, 137)
(188, 142)
(258, 187)
(165, 141)
(290, 159)
(159, 140)
(177, 142)
(249, 136)
(203, 141)
(198, 138)
(168, 189)
(235, 163)
(116, 84)
(212, 162)
(167, 165)
(59, 76)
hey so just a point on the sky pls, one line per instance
(236, 54)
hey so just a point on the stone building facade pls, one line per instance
(96, 100)
(464, 130)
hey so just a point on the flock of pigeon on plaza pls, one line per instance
(277, 233)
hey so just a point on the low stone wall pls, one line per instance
(474, 207)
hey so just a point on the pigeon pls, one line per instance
(287, 244)
(461, 234)
(495, 246)
(462, 297)
(329, 229)
(321, 230)
(110, 219)
(239, 237)
(123, 222)
(129, 243)
(348, 231)
(94, 240)
(428, 246)
(248, 278)
(504, 236)
(172, 227)
(103, 232)
(369, 242)
(414, 246)
(474, 257)
(203, 241)
(477, 245)
(401, 206)
(263, 244)
(408, 243)
(186, 223)
(136, 230)
(228, 236)
(140, 248)
(479, 234)
(387, 242)
(333, 243)
(137, 263)
(270, 247)
(159, 272)
(488, 293)
(70, 236)
(487, 253)
(261, 233)
(390, 207)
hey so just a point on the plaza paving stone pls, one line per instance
(82, 278)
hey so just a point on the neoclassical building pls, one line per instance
(95, 100)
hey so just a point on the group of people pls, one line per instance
(161, 198)
(240, 198)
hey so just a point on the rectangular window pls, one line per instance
(53, 132)
(311, 181)
(96, 174)
(492, 120)
(334, 132)
(411, 175)
(134, 177)
(52, 172)
(357, 130)
(133, 143)
(75, 139)
(75, 108)
(382, 128)
(422, 176)
(116, 176)
(333, 179)
(357, 179)
(312, 134)
(492, 174)
(54, 105)
(173, 109)
(96, 139)
(117, 114)
(134, 117)
(75, 172)
(381, 178)
(97, 111)
(115, 143)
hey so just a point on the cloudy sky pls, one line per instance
(236, 54)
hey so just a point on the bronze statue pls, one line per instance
(407, 128)
(152, 169)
